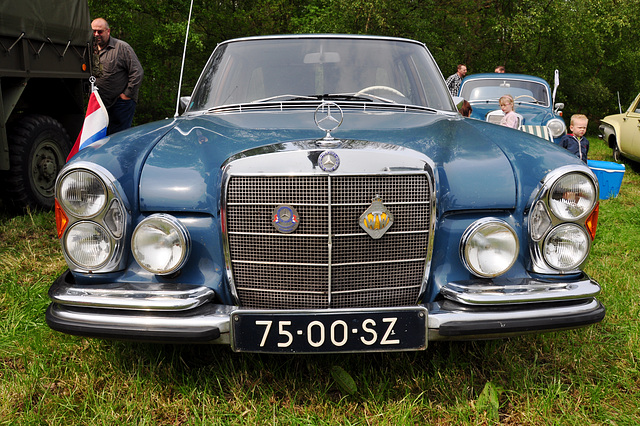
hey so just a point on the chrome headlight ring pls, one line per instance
(161, 244)
(572, 196)
(82, 193)
(556, 127)
(489, 247)
(88, 245)
(566, 247)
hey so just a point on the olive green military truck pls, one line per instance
(45, 51)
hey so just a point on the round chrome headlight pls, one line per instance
(556, 127)
(573, 196)
(566, 247)
(489, 247)
(82, 193)
(161, 244)
(88, 245)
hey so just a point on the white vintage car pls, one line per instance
(622, 132)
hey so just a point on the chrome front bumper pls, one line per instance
(182, 314)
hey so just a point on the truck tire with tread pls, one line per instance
(38, 150)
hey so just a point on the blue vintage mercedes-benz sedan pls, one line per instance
(321, 193)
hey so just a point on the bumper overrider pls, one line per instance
(187, 314)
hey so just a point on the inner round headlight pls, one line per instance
(88, 245)
(489, 247)
(161, 244)
(556, 127)
(82, 193)
(566, 247)
(572, 196)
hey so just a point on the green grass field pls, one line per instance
(588, 376)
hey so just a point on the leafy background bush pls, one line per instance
(593, 43)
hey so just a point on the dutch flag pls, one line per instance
(95, 124)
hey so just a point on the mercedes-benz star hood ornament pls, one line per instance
(328, 117)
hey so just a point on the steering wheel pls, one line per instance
(384, 88)
(525, 96)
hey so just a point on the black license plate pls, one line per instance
(380, 330)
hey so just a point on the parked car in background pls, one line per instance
(534, 101)
(321, 193)
(622, 132)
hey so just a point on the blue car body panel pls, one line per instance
(478, 167)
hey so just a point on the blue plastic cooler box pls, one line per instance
(609, 177)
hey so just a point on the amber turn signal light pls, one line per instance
(61, 219)
(592, 222)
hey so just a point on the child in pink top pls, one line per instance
(510, 118)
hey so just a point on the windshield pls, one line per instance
(492, 89)
(295, 69)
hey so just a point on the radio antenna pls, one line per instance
(619, 104)
(184, 53)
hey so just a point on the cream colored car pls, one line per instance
(622, 132)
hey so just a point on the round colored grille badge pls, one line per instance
(329, 161)
(285, 219)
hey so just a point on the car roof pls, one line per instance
(323, 36)
(504, 76)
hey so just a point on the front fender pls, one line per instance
(608, 132)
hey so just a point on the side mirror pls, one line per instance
(184, 102)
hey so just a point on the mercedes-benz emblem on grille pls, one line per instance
(285, 219)
(328, 117)
(376, 220)
(329, 161)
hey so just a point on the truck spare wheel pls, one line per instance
(39, 149)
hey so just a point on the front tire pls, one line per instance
(617, 156)
(38, 148)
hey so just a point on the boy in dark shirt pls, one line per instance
(575, 142)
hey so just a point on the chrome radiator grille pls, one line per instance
(328, 261)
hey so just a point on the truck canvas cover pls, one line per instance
(60, 21)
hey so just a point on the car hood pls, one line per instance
(472, 160)
(532, 114)
(614, 118)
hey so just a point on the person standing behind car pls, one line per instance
(118, 76)
(454, 80)
(575, 142)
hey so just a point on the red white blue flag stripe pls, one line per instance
(95, 124)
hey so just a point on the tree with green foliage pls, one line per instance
(593, 43)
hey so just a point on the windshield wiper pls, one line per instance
(286, 98)
(364, 97)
